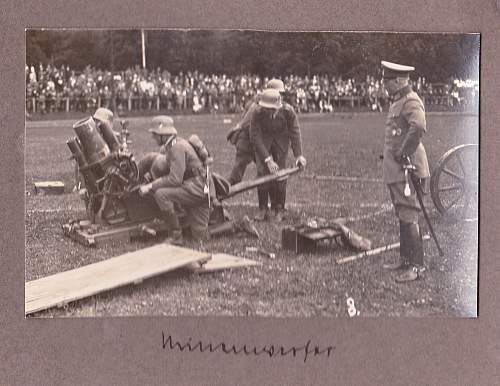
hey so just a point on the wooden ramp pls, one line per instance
(221, 261)
(133, 267)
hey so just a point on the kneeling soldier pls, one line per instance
(404, 128)
(183, 191)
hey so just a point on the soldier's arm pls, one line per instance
(244, 123)
(294, 132)
(256, 136)
(177, 168)
(247, 116)
(415, 116)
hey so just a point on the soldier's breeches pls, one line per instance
(178, 200)
(275, 190)
(407, 208)
(242, 160)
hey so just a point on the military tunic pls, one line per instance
(404, 128)
(182, 189)
(271, 134)
(240, 136)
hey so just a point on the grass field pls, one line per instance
(304, 285)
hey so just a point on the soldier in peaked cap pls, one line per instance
(273, 128)
(181, 190)
(404, 128)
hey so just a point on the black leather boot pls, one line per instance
(417, 246)
(174, 229)
(404, 243)
(415, 254)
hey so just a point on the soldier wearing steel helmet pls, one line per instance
(239, 136)
(273, 128)
(182, 190)
(404, 128)
(104, 122)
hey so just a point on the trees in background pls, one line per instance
(435, 56)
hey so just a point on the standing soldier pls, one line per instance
(184, 189)
(273, 127)
(405, 126)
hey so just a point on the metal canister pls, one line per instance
(94, 146)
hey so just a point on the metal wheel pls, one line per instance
(455, 183)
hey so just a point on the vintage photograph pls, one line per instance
(251, 173)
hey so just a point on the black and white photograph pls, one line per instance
(251, 173)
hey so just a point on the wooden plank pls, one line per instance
(221, 261)
(88, 236)
(132, 267)
(49, 187)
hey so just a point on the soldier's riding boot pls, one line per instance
(174, 229)
(404, 249)
(416, 254)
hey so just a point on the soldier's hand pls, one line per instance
(272, 166)
(145, 189)
(148, 177)
(301, 162)
(399, 158)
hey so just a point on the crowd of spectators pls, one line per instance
(51, 89)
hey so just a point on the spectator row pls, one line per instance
(52, 89)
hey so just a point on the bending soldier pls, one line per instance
(183, 190)
(273, 127)
(405, 126)
(240, 136)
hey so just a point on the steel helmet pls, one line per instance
(270, 98)
(277, 84)
(104, 115)
(163, 125)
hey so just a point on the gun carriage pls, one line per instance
(454, 183)
(108, 181)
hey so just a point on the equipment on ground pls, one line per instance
(109, 184)
(308, 237)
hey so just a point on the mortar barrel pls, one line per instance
(94, 147)
(89, 177)
(109, 137)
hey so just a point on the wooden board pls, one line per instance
(112, 233)
(221, 261)
(132, 267)
(49, 187)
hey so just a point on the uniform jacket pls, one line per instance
(280, 128)
(404, 128)
(186, 170)
(240, 134)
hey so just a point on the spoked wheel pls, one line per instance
(455, 183)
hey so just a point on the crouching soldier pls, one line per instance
(184, 191)
(404, 128)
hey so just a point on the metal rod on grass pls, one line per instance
(372, 252)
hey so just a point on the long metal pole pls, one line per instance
(143, 41)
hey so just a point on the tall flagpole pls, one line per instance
(143, 49)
